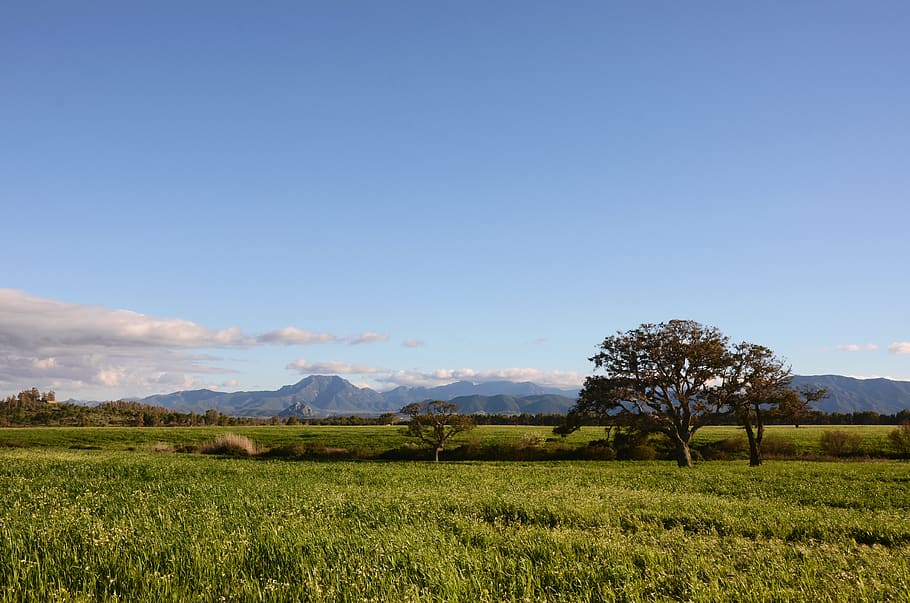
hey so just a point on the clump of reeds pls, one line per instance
(231, 444)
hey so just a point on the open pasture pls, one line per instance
(364, 441)
(105, 525)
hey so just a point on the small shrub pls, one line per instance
(777, 446)
(231, 444)
(726, 449)
(840, 443)
(900, 439)
(642, 452)
(599, 453)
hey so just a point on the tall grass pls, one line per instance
(88, 525)
(231, 444)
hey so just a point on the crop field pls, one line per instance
(123, 523)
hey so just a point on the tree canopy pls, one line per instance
(658, 377)
(755, 384)
(671, 377)
(434, 422)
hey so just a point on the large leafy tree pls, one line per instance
(434, 422)
(659, 377)
(755, 385)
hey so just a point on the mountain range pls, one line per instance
(325, 395)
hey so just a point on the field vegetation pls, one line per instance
(485, 442)
(106, 525)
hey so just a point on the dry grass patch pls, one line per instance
(231, 444)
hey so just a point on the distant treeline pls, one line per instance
(35, 408)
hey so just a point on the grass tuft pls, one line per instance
(231, 444)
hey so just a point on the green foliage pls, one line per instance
(31, 408)
(84, 525)
(659, 378)
(486, 442)
(841, 443)
(900, 438)
(435, 422)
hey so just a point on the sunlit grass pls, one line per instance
(87, 525)
(371, 440)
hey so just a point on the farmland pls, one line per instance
(118, 524)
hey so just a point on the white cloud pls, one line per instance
(853, 347)
(565, 379)
(106, 352)
(412, 343)
(539, 340)
(367, 338)
(332, 368)
(26, 320)
(420, 378)
(902, 347)
(295, 336)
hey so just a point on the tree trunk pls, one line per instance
(754, 446)
(438, 450)
(683, 454)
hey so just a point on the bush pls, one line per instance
(900, 439)
(778, 446)
(840, 443)
(642, 452)
(312, 451)
(231, 444)
(726, 449)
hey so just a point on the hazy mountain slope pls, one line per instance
(331, 395)
(847, 394)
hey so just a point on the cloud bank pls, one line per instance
(75, 347)
(419, 378)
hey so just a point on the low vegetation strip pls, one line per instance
(486, 442)
(99, 525)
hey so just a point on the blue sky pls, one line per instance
(234, 195)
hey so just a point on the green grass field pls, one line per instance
(373, 440)
(131, 525)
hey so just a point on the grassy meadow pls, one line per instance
(369, 441)
(97, 515)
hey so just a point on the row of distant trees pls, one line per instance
(31, 407)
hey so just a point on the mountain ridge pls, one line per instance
(327, 395)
